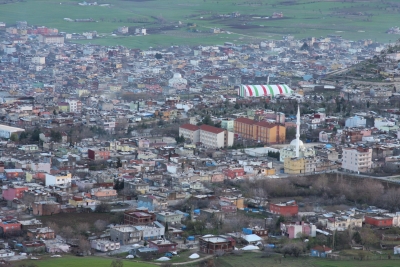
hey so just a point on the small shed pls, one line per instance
(320, 251)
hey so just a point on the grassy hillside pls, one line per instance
(302, 18)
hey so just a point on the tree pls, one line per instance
(103, 207)
(55, 136)
(117, 263)
(67, 232)
(119, 164)
(35, 136)
(180, 139)
(207, 120)
(158, 56)
(14, 137)
(304, 47)
(54, 227)
(100, 225)
(368, 237)
(23, 136)
(280, 220)
(84, 245)
(82, 228)
(357, 237)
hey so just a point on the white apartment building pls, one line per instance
(357, 159)
(355, 121)
(58, 180)
(190, 131)
(209, 136)
(74, 105)
(38, 60)
(212, 137)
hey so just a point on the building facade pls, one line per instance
(357, 159)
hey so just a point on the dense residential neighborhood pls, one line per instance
(288, 147)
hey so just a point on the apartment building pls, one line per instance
(190, 131)
(209, 136)
(262, 131)
(51, 39)
(214, 137)
(357, 159)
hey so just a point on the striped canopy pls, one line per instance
(264, 90)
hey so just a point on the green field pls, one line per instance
(356, 19)
(244, 260)
(71, 261)
(255, 260)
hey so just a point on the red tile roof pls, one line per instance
(266, 124)
(211, 129)
(245, 120)
(190, 127)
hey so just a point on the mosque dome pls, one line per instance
(177, 75)
(293, 143)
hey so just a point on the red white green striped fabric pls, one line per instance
(264, 90)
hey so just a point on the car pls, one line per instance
(130, 257)
(55, 256)
(34, 258)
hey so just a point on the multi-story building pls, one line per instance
(74, 105)
(285, 209)
(299, 229)
(262, 131)
(228, 124)
(209, 136)
(294, 165)
(58, 180)
(379, 220)
(214, 137)
(357, 159)
(125, 234)
(98, 154)
(139, 216)
(190, 131)
(211, 244)
(51, 39)
(169, 217)
(14, 192)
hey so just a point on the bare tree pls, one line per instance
(100, 225)
(84, 245)
(54, 227)
(82, 228)
(67, 232)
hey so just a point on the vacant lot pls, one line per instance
(73, 219)
(301, 18)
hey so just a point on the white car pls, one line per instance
(130, 257)
(55, 256)
(34, 258)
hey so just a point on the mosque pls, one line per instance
(296, 148)
(177, 82)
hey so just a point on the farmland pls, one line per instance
(71, 261)
(351, 19)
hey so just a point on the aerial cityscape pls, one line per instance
(199, 133)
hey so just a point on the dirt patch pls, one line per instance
(73, 219)
(244, 26)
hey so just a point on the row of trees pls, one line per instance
(327, 189)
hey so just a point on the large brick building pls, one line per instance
(138, 216)
(211, 244)
(378, 220)
(285, 209)
(262, 131)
